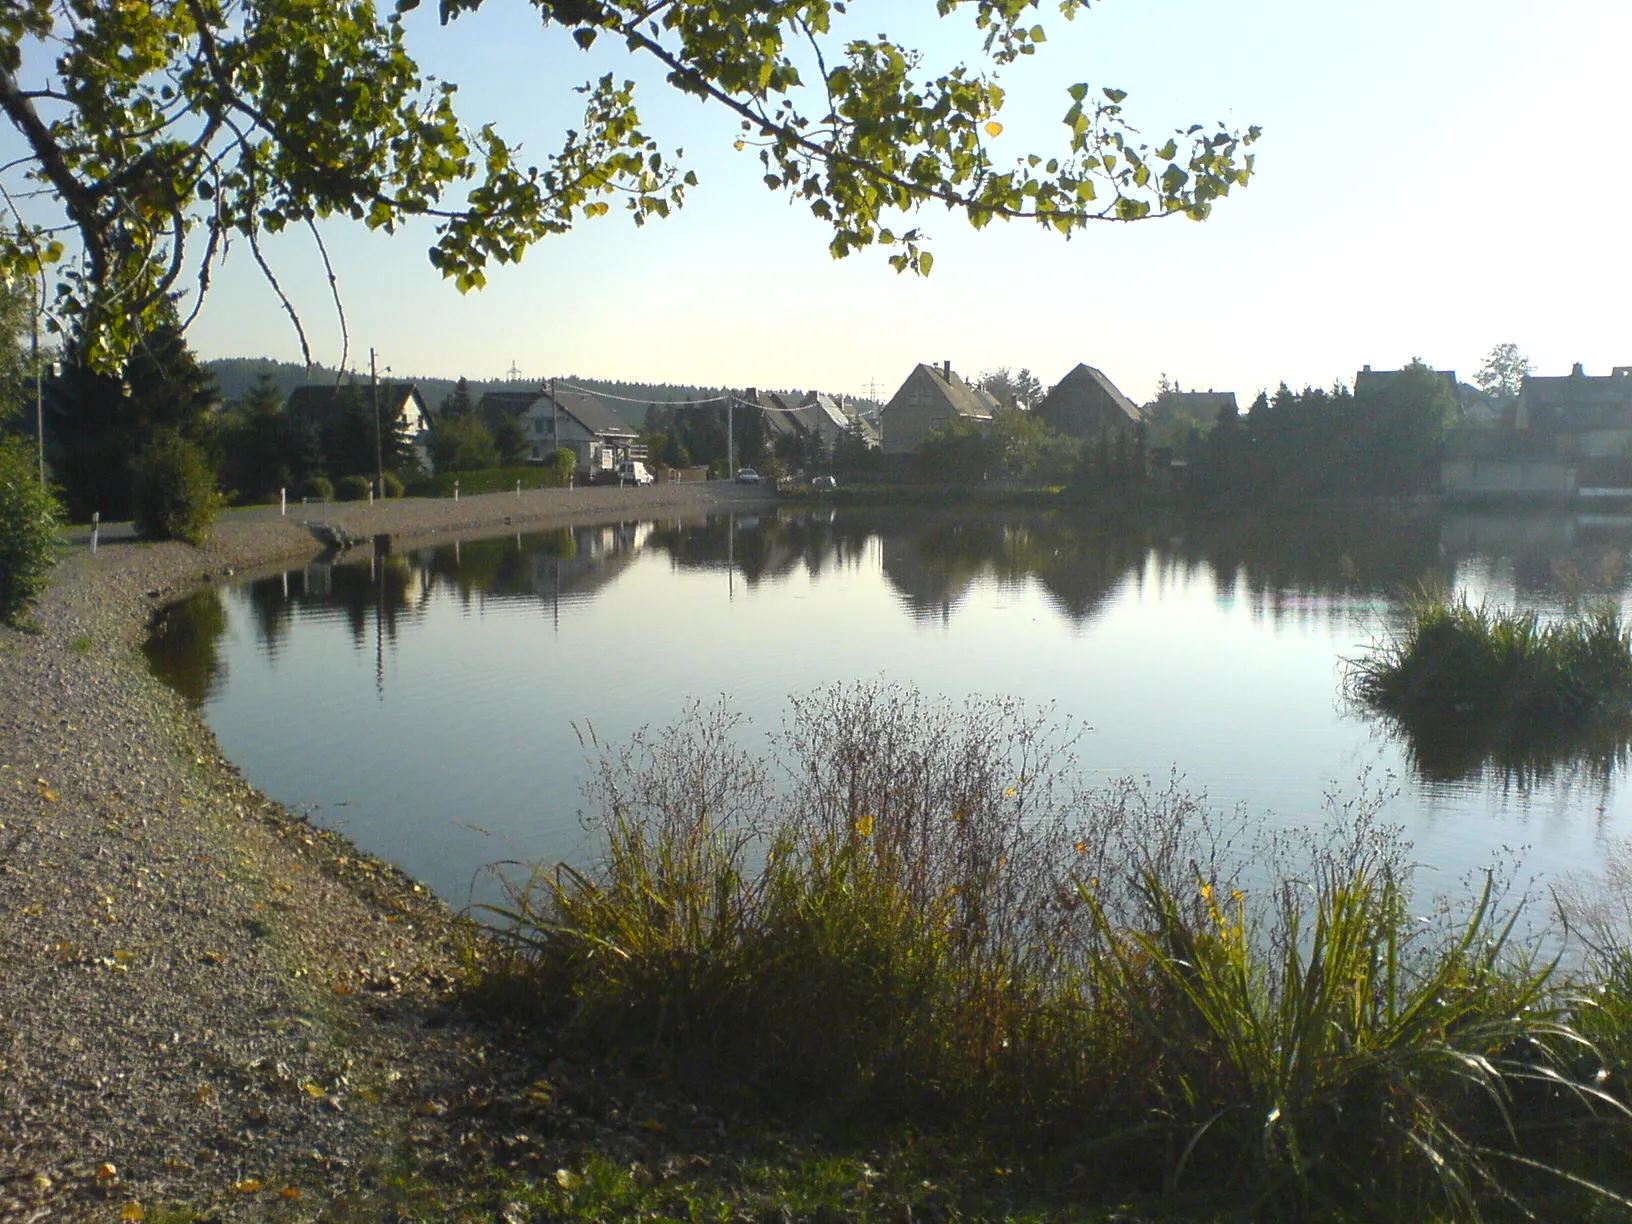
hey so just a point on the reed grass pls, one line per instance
(1456, 661)
(909, 911)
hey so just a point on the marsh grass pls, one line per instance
(1456, 661)
(913, 912)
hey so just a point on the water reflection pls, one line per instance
(1583, 759)
(184, 647)
(1297, 570)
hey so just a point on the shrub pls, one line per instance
(353, 488)
(28, 529)
(392, 484)
(562, 465)
(175, 493)
(318, 488)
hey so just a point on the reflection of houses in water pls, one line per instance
(1078, 565)
(1508, 534)
(1563, 553)
(933, 570)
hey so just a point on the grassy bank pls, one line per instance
(905, 919)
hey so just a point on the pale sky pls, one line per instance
(1435, 177)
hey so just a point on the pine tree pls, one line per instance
(99, 422)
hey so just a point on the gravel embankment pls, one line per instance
(204, 1001)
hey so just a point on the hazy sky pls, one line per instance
(1435, 177)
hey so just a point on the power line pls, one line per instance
(626, 399)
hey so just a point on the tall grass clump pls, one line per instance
(910, 910)
(1454, 660)
(1326, 1057)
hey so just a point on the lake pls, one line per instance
(435, 705)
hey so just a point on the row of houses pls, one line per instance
(553, 417)
(1084, 402)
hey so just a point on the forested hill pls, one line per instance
(235, 375)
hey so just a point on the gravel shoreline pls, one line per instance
(205, 1002)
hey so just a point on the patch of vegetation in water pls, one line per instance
(1472, 686)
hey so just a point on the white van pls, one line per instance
(633, 471)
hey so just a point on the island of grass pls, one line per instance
(1517, 679)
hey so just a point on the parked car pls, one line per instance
(633, 471)
(747, 476)
(822, 483)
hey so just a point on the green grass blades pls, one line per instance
(1335, 1059)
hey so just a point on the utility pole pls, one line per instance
(374, 394)
(730, 440)
(555, 416)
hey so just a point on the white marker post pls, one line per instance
(283, 503)
(96, 528)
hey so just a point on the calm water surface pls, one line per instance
(435, 705)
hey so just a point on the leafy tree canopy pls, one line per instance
(161, 131)
(1021, 390)
(1503, 372)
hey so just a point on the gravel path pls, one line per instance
(204, 1001)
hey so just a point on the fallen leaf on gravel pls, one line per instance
(133, 1211)
(213, 958)
(341, 988)
(313, 1091)
(201, 1094)
(248, 1186)
(565, 1178)
(106, 1172)
(289, 1192)
(430, 1109)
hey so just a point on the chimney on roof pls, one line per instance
(1578, 372)
(1367, 370)
(946, 370)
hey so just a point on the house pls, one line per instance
(1567, 436)
(1085, 402)
(323, 406)
(1176, 416)
(781, 423)
(1586, 416)
(1369, 384)
(582, 422)
(1483, 461)
(824, 418)
(497, 407)
(929, 398)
